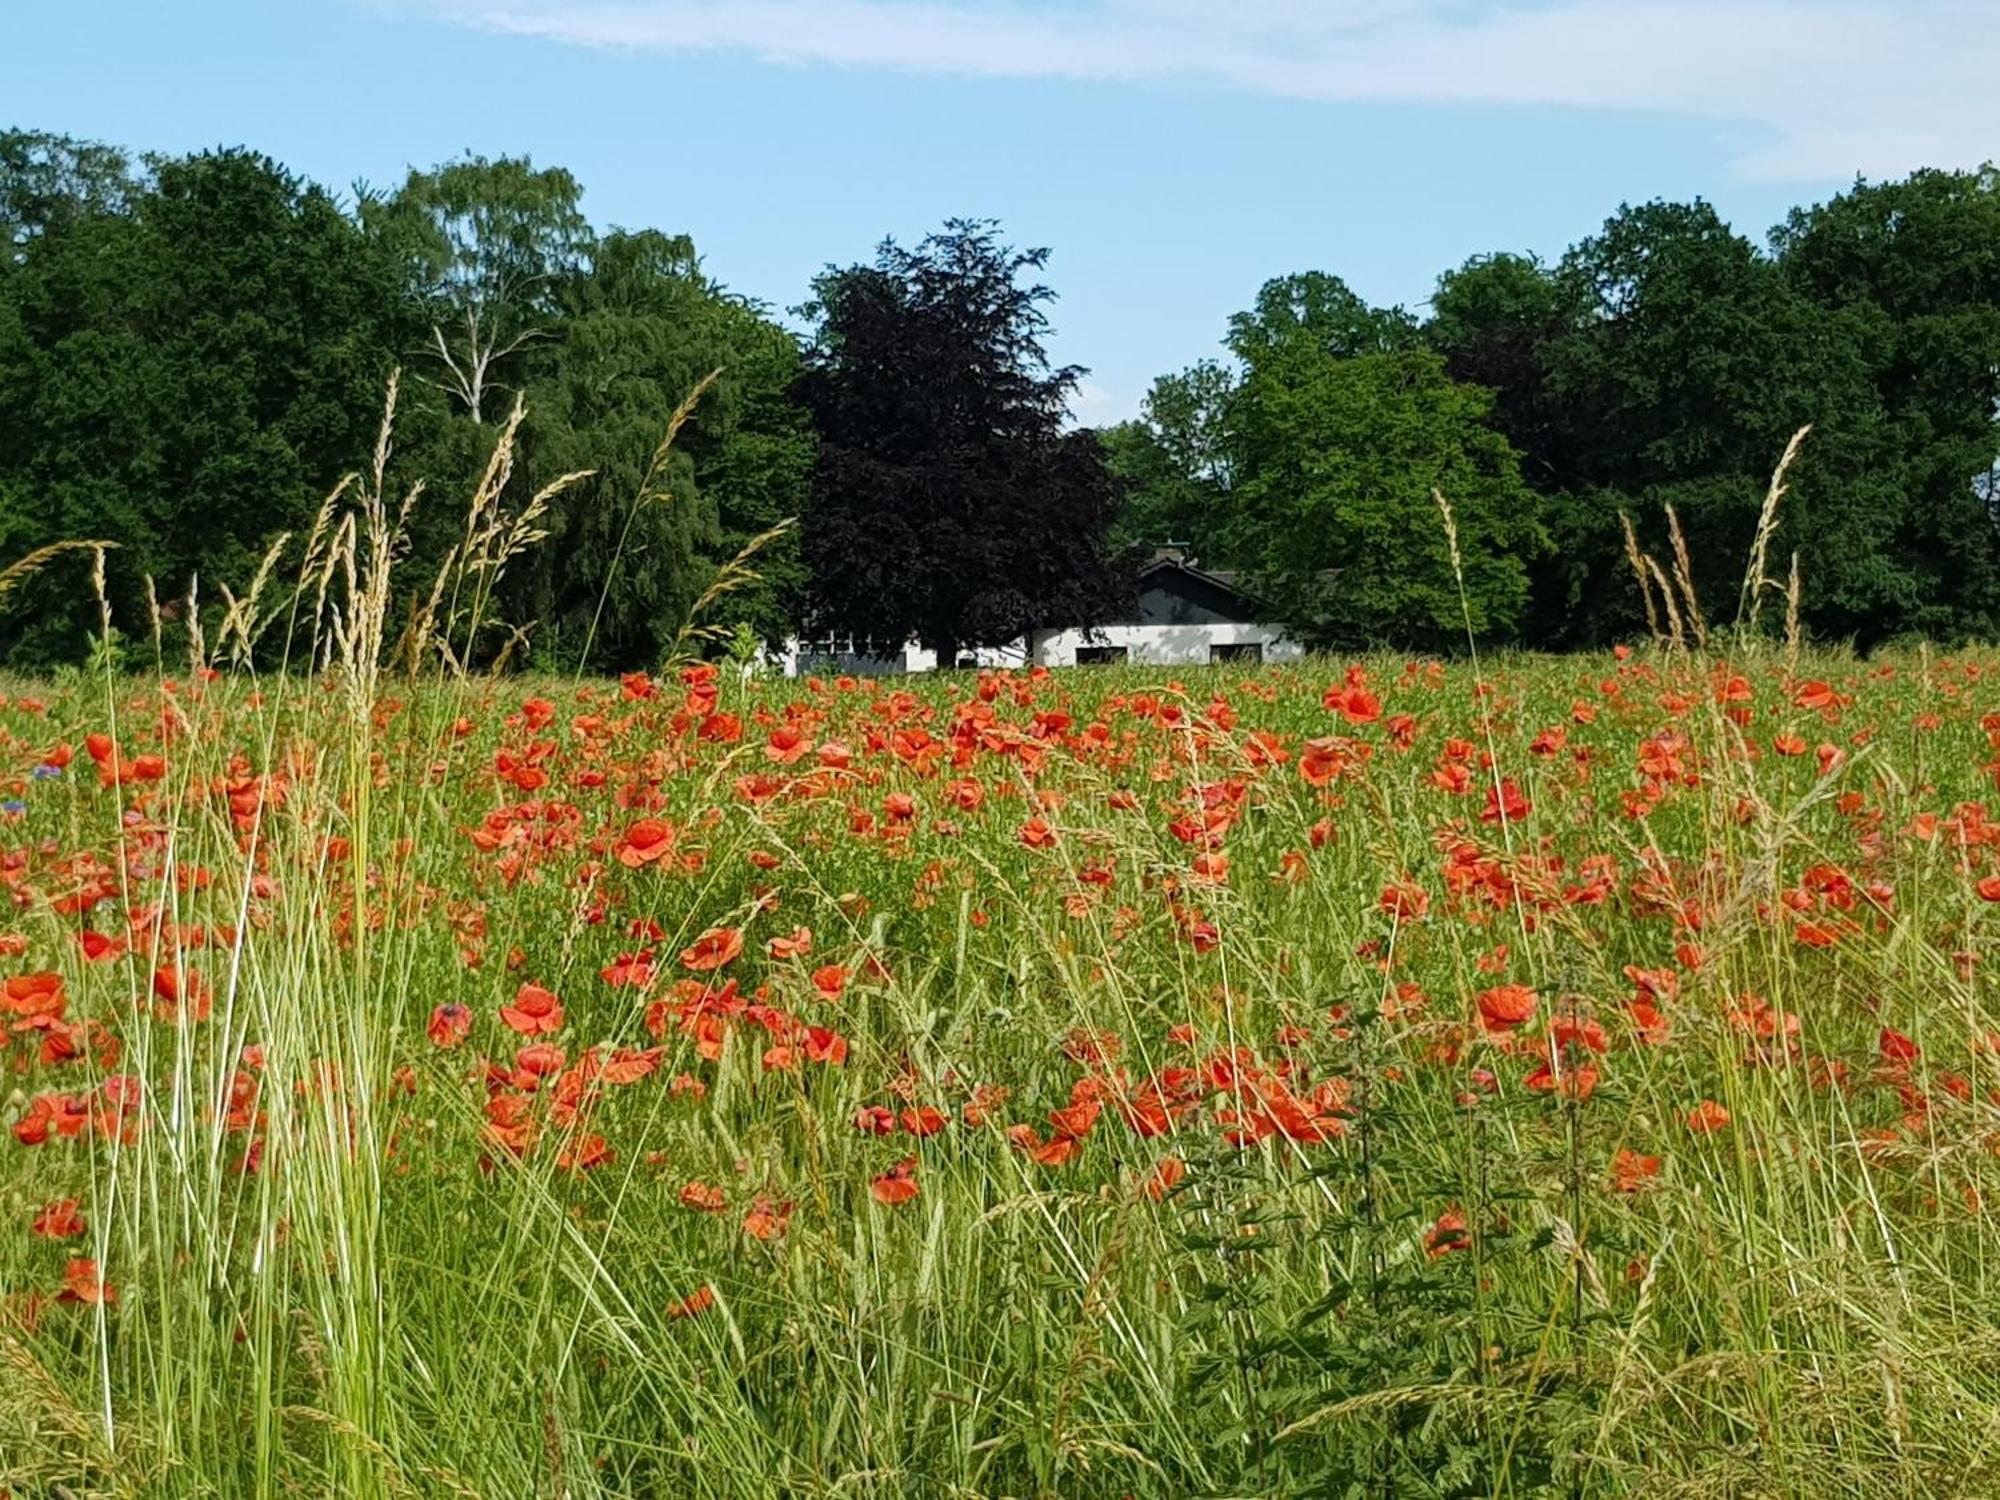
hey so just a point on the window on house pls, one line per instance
(1236, 651)
(966, 661)
(1097, 656)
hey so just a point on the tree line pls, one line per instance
(194, 350)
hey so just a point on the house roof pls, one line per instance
(1226, 580)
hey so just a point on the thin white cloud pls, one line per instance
(1819, 90)
(1095, 405)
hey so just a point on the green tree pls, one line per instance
(186, 374)
(488, 246)
(638, 332)
(1342, 430)
(1174, 463)
(50, 181)
(1690, 363)
(948, 502)
(1912, 268)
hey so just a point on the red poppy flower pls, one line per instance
(1036, 834)
(1896, 1048)
(825, 1047)
(1707, 1117)
(1505, 803)
(875, 1119)
(829, 981)
(1506, 1006)
(33, 995)
(627, 1066)
(83, 1282)
(1354, 703)
(646, 842)
(59, 1221)
(695, 1302)
(1406, 901)
(1165, 1177)
(767, 1219)
(450, 1024)
(535, 1011)
(1448, 1234)
(898, 1184)
(713, 949)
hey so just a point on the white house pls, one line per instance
(1184, 616)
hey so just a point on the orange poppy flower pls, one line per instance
(796, 945)
(450, 1023)
(83, 1282)
(1505, 1007)
(1630, 1172)
(535, 1011)
(695, 1302)
(1707, 1117)
(767, 1219)
(898, 1184)
(703, 1196)
(646, 842)
(713, 949)
(59, 1221)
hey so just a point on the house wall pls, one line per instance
(1146, 645)
(799, 659)
(1165, 645)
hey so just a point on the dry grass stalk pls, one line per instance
(197, 646)
(1792, 595)
(455, 607)
(17, 573)
(675, 423)
(241, 629)
(155, 620)
(1684, 576)
(98, 587)
(1750, 600)
(1638, 560)
(517, 639)
(647, 493)
(1450, 531)
(731, 576)
(1677, 633)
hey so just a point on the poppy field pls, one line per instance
(1568, 1076)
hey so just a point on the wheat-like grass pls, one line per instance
(1684, 576)
(1638, 561)
(20, 571)
(1750, 599)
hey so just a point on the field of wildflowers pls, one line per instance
(1537, 1076)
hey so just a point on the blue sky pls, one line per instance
(1173, 153)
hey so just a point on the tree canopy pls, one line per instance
(948, 502)
(194, 352)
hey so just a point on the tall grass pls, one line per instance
(332, 1279)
